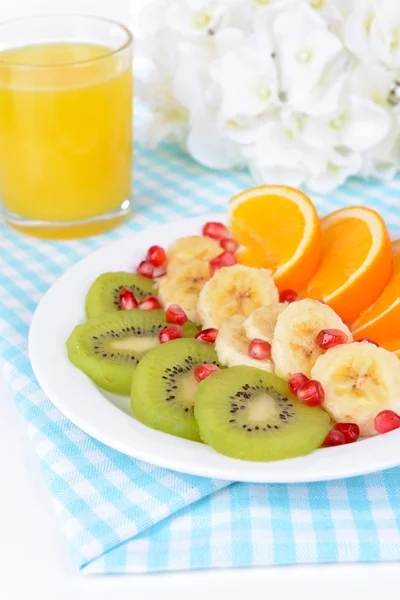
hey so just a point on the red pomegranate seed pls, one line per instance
(259, 349)
(351, 431)
(214, 230)
(226, 259)
(367, 339)
(159, 272)
(150, 302)
(386, 421)
(175, 314)
(215, 265)
(156, 256)
(334, 438)
(145, 269)
(170, 333)
(127, 300)
(311, 393)
(328, 338)
(295, 381)
(203, 371)
(288, 296)
(229, 244)
(207, 335)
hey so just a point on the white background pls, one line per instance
(34, 560)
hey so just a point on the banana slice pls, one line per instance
(232, 346)
(183, 284)
(294, 349)
(360, 380)
(261, 323)
(236, 290)
(194, 247)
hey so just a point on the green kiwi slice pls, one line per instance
(103, 295)
(246, 413)
(108, 348)
(164, 387)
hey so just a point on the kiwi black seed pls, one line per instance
(103, 295)
(164, 386)
(247, 413)
(109, 347)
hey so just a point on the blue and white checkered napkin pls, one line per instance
(121, 515)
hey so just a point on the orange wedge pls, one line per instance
(393, 346)
(356, 264)
(279, 229)
(382, 320)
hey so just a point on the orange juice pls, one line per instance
(65, 136)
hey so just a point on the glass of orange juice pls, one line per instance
(65, 124)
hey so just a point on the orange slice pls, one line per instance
(381, 321)
(356, 263)
(279, 229)
(393, 346)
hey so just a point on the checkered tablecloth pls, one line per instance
(120, 515)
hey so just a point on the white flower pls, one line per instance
(194, 17)
(359, 125)
(305, 47)
(207, 145)
(339, 167)
(248, 80)
(372, 32)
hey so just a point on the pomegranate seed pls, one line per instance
(159, 272)
(127, 300)
(156, 256)
(229, 244)
(203, 371)
(288, 296)
(259, 349)
(145, 269)
(170, 333)
(226, 259)
(217, 231)
(334, 438)
(367, 339)
(328, 338)
(150, 302)
(215, 265)
(207, 335)
(295, 381)
(387, 420)
(311, 393)
(351, 431)
(175, 314)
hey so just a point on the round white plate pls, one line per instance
(108, 418)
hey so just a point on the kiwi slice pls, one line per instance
(109, 347)
(246, 413)
(103, 295)
(163, 386)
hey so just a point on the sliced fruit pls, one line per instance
(381, 321)
(360, 381)
(294, 347)
(164, 386)
(261, 323)
(280, 230)
(249, 414)
(356, 264)
(182, 285)
(109, 347)
(104, 293)
(193, 247)
(232, 346)
(236, 290)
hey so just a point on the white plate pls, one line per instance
(108, 418)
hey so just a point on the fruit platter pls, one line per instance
(268, 337)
